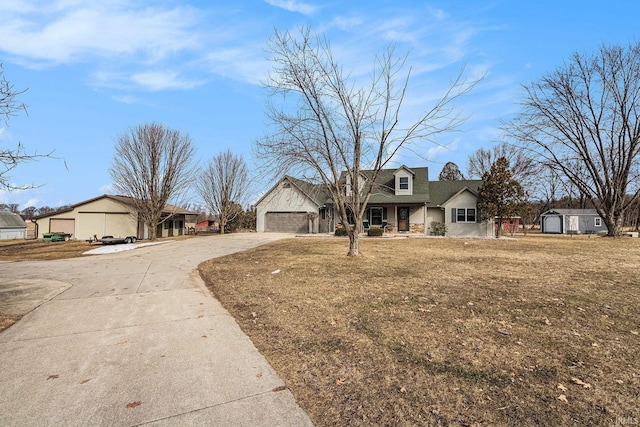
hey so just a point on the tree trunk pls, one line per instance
(354, 243)
(223, 224)
(152, 229)
(499, 228)
(613, 221)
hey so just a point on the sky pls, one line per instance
(94, 69)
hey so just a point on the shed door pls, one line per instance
(286, 222)
(574, 226)
(552, 224)
(60, 225)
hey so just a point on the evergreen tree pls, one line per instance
(450, 172)
(500, 196)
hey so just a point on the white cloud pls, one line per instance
(163, 80)
(293, 6)
(66, 32)
(108, 189)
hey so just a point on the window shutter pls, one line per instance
(478, 218)
(384, 214)
(454, 214)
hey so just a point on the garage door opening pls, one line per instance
(286, 222)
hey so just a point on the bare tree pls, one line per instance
(153, 165)
(223, 184)
(523, 167)
(10, 158)
(583, 119)
(450, 172)
(328, 123)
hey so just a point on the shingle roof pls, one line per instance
(316, 192)
(123, 199)
(572, 212)
(433, 193)
(11, 220)
(441, 191)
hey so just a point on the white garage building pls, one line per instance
(12, 226)
(109, 215)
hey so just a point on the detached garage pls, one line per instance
(12, 226)
(109, 216)
(572, 221)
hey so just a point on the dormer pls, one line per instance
(403, 177)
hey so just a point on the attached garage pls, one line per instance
(291, 206)
(287, 222)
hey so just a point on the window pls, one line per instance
(463, 215)
(375, 216)
(598, 222)
(404, 183)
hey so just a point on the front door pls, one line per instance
(403, 219)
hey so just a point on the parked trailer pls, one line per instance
(110, 240)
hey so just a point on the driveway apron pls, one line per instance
(134, 338)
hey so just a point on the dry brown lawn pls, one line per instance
(37, 250)
(536, 331)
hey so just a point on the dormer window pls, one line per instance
(404, 183)
(403, 178)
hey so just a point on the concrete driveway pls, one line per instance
(133, 338)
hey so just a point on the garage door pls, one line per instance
(552, 224)
(286, 222)
(59, 225)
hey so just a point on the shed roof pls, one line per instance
(11, 220)
(589, 212)
(123, 199)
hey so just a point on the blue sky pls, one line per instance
(95, 68)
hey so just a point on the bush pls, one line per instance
(341, 232)
(438, 228)
(376, 232)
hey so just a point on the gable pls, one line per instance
(403, 181)
(287, 195)
(463, 198)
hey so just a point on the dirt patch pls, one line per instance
(445, 332)
(7, 320)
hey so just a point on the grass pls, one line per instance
(537, 331)
(37, 250)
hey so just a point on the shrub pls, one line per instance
(438, 228)
(375, 232)
(341, 232)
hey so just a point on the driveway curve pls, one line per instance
(135, 338)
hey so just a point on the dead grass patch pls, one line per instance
(37, 250)
(445, 331)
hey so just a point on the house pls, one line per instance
(572, 221)
(12, 226)
(403, 200)
(109, 215)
